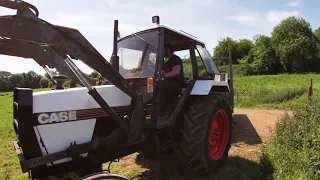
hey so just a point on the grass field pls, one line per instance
(274, 91)
(9, 164)
(281, 91)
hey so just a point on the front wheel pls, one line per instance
(206, 133)
(104, 176)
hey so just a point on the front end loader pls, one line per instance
(69, 133)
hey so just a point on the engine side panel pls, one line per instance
(57, 137)
(77, 98)
(203, 87)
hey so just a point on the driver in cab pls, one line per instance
(173, 75)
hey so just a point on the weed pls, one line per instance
(294, 152)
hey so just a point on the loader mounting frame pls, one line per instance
(28, 36)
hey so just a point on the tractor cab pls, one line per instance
(141, 60)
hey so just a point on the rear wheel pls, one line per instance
(206, 133)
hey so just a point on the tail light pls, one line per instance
(150, 85)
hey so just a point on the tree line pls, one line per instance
(293, 47)
(9, 81)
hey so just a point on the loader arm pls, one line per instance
(67, 42)
(26, 35)
(42, 55)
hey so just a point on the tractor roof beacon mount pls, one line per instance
(156, 20)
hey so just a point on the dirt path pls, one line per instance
(255, 125)
(252, 127)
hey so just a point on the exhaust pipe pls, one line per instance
(115, 58)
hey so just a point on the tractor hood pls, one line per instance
(77, 99)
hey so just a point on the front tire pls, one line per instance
(206, 133)
(104, 176)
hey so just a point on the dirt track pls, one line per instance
(254, 126)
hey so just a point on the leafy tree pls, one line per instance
(16, 80)
(317, 34)
(265, 60)
(243, 47)
(5, 74)
(295, 45)
(4, 81)
(248, 58)
(32, 80)
(70, 83)
(239, 49)
(94, 74)
(224, 46)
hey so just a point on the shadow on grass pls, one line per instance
(244, 131)
(235, 168)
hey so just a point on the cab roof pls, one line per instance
(168, 31)
(183, 34)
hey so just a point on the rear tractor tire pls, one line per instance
(206, 133)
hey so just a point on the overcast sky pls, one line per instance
(209, 20)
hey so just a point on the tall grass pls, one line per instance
(294, 152)
(279, 96)
(274, 91)
(263, 96)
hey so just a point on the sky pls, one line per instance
(208, 20)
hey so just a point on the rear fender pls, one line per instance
(204, 87)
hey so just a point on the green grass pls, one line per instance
(274, 91)
(9, 163)
(294, 153)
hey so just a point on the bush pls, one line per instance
(70, 84)
(44, 82)
(294, 152)
(247, 70)
(50, 84)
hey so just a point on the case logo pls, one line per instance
(45, 118)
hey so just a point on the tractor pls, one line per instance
(69, 133)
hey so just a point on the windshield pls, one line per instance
(211, 67)
(137, 55)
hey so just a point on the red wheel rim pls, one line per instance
(219, 135)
